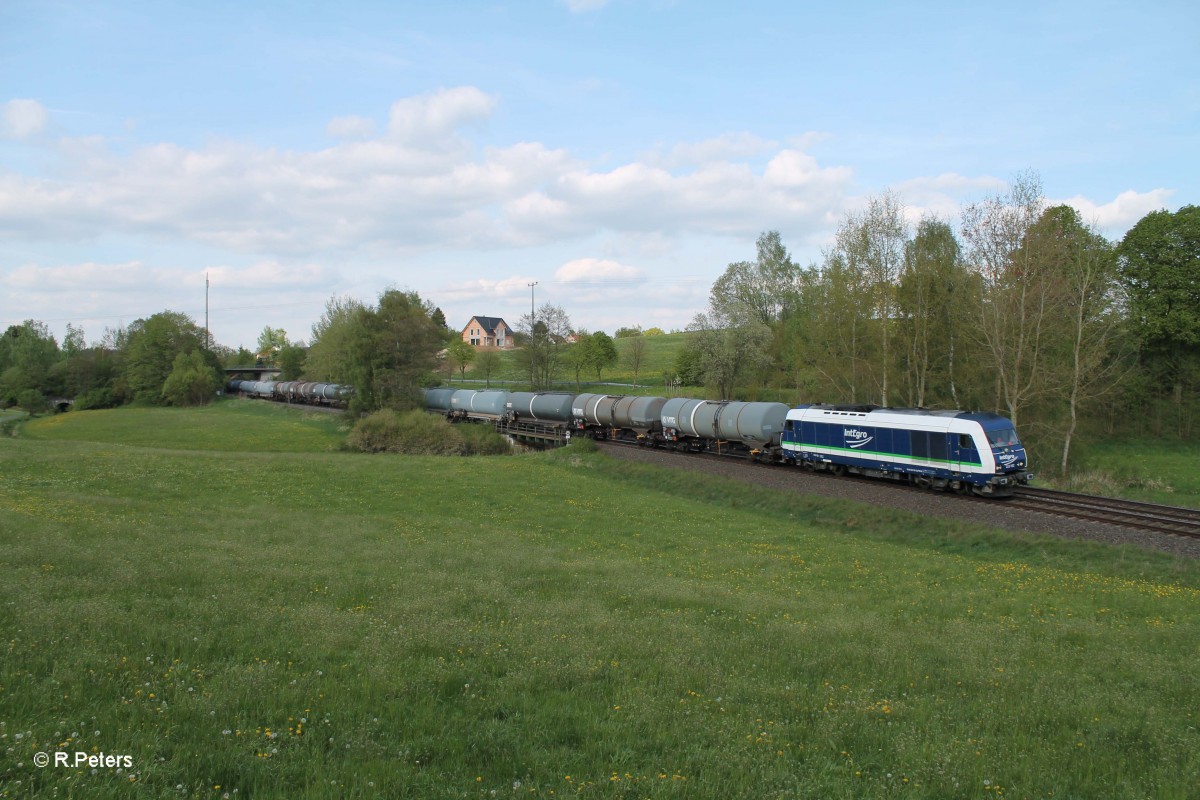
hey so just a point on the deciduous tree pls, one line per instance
(759, 289)
(546, 339)
(1019, 292)
(153, 344)
(1087, 356)
(1159, 261)
(192, 382)
(461, 354)
(872, 244)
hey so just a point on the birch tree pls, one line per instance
(1087, 357)
(872, 243)
(1018, 295)
(933, 294)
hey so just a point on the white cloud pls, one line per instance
(22, 119)
(121, 278)
(486, 289)
(1121, 213)
(427, 118)
(103, 278)
(590, 270)
(418, 186)
(268, 274)
(943, 196)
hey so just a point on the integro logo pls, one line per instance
(856, 437)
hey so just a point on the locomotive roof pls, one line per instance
(986, 419)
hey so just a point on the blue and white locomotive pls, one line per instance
(963, 451)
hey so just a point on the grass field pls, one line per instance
(659, 358)
(250, 613)
(1154, 470)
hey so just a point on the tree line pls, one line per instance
(1019, 307)
(1023, 308)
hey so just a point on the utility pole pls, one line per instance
(532, 351)
(207, 334)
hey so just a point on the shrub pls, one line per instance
(420, 433)
(95, 398)
(33, 401)
(482, 440)
(192, 382)
(582, 444)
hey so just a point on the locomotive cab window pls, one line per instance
(1004, 438)
(965, 441)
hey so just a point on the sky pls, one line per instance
(618, 153)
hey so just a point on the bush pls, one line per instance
(192, 381)
(33, 401)
(421, 433)
(582, 444)
(95, 398)
(482, 440)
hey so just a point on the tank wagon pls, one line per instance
(695, 424)
(488, 404)
(963, 451)
(307, 392)
(545, 407)
(252, 388)
(603, 415)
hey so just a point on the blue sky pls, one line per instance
(619, 153)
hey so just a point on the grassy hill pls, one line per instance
(659, 358)
(244, 611)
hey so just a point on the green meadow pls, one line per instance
(658, 358)
(245, 611)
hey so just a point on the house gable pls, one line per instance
(484, 331)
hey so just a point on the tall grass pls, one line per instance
(1155, 470)
(328, 624)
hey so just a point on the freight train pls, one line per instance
(967, 452)
(294, 391)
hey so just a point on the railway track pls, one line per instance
(1148, 517)
(1109, 510)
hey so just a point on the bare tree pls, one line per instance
(873, 243)
(547, 337)
(729, 348)
(1018, 292)
(635, 353)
